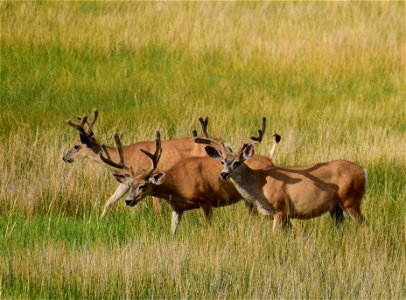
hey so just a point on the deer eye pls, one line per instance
(237, 163)
(76, 147)
(222, 162)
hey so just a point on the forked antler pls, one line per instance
(105, 157)
(215, 143)
(203, 123)
(84, 120)
(156, 156)
(90, 123)
(206, 140)
(219, 144)
(121, 164)
(261, 132)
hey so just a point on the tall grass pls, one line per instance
(329, 77)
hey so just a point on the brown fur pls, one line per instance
(296, 192)
(193, 183)
(173, 152)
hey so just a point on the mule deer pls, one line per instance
(89, 147)
(174, 151)
(293, 192)
(190, 184)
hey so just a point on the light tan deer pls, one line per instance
(293, 192)
(190, 184)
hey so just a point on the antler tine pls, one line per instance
(119, 148)
(203, 123)
(158, 151)
(200, 140)
(215, 143)
(260, 132)
(78, 126)
(90, 123)
(120, 152)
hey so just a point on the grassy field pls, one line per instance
(330, 78)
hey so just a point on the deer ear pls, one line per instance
(213, 152)
(248, 151)
(121, 177)
(84, 139)
(157, 179)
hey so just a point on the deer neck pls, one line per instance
(169, 187)
(242, 183)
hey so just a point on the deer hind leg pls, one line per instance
(120, 191)
(156, 205)
(337, 214)
(287, 226)
(356, 214)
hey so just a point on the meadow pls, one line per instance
(329, 77)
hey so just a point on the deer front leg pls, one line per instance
(250, 207)
(176, 216)
(156, 204)
(281, 222)
(120, 191)
(207, 208)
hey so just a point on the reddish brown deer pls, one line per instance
(190, 184)
(174, 151)
(293, 192)
(89, 147)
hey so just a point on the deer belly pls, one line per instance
(305, 206)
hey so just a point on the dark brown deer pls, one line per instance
(293, 192)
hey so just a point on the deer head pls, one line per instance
(141, 184)
(87, 144)
(232, 161)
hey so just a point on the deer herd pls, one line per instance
(203, 172)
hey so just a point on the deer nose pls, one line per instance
(68, 160)
(130, 202)
(224, 175)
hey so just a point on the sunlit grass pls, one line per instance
(328, 76)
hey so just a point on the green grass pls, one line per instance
(328, 76)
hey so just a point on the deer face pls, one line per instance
(143, 187)
(87, 145)
(232, 162)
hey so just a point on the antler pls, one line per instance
(203, 123)
(78, 126)
(120, 152)
(90, 123)
(215, 143)
(157, 155)
(261, 132)
(84, 120)
(219, 144)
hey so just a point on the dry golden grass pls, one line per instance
(328, 76)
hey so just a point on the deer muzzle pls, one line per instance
(67, 159)
(224, 175)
